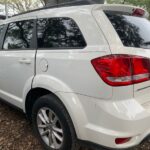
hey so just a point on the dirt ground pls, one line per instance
(16, 132)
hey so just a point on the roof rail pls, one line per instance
(64, 3)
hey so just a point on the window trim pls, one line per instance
(3, 35)
(32, 45)
(59, 48)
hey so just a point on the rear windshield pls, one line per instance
(133, 31)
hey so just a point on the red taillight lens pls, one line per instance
(141, 69)
(121, 70)
(138, 12)
(122, 140)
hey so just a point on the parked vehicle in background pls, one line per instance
(80, 73)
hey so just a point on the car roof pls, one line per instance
(51, 11)
(71, 9)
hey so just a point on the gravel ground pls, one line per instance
(16, 132)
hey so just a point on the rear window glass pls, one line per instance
(133, 31)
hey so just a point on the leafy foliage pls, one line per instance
(19, 6)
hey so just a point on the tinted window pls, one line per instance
(133, 31)
(19, 35)
(59, 33)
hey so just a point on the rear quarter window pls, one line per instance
(133, 31)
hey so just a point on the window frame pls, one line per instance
(59, 48)
(3, 35)
(33, 39)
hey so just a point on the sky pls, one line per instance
(2, 9)
(11, 12)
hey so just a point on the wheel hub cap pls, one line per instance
(50, 128)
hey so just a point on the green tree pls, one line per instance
(19, 6)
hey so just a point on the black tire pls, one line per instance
(53, 103)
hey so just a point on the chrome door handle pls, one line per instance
(25, 61)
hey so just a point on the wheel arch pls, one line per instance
(44, 84)
(71, 104)
(34, 94)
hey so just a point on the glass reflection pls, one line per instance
(133, 31)
(59, 33)
(19, 35)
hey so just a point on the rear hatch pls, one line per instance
(127, 31)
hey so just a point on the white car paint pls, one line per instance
(100, 113)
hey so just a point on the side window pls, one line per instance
(19, 35)
(59, 33)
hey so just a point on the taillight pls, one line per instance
(122, 140)
(122, 70)
(138, 12)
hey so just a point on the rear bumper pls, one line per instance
(107, 120)
(102, 121)
(100, 147)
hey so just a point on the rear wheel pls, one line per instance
(51, 123)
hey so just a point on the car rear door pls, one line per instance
(17, 60)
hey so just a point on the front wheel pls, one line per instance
(51, 123)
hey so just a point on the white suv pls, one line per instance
(80, 73)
